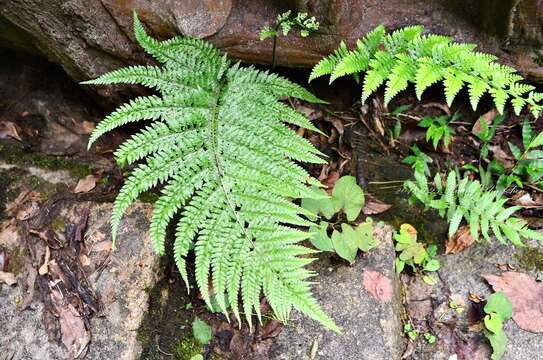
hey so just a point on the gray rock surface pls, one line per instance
(461, 275)
(371, 327)
(119, 279)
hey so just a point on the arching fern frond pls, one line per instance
(408, 56)
(219, 145)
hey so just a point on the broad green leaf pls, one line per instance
(499, 303)
(322, 205)
(430, 280)
(494, 323)
(498, 342)
(366, 240)
(399, 265)
(201, 331)
(432, 265)
(197, 357)
(538, 141)
(515, 150)
(526, 134)
(320, 239)
(345, 243)
(348, 195)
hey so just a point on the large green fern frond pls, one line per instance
(408, 56)
(219, 144)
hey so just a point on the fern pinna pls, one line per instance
(408, 56)
(219, 144)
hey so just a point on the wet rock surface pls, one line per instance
(371, 326)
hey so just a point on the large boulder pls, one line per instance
(88, 38)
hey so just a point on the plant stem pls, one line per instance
(275, 46)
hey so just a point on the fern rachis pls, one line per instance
(219, 144)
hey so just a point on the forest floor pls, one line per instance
(61, 280)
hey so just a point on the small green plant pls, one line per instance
(498, 310)
(411, 333)
(201, 331)
(438, 129)
(419, 161)
(430, 338)
(529, 162)
(487, 133)
(285, 22)
(466, 199)
(219, 143)
(407, 56)
(413, 253)
(348, 199)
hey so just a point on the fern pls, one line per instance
(483, 211)
(408, 56)
(219, 145)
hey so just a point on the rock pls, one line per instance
(461, 275)
(89, 38)
(371, 327)
(111, 297)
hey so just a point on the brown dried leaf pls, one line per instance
(105, 245)
(83, 128)
(474, 298)
(330, 181)
(44, 269)
(9, 130)
(487, 117)
(378, 285)
(9, 235)
(272, 329)
(526, 200)
(7, 278)
(502, 156)
(459, 241)
(86, 184)
(72, 327)
(374, 206)
(525, 294)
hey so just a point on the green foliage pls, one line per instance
(431, 339)
(413, 253)
(201, 331)
(347, 198)
(218, 143)
(411, 333)
(529, 162)
(438, 129)
(466, 199)
(286, 21)
(487, 133)
(498, 309)
(419, 161)
(407, 56)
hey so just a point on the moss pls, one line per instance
(530, 258)
(6, 191)
(58, 224)
(17, 260)
(186, 348)
(15, 155)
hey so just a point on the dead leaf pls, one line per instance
(378, 285)
(475, 298)
(374, 206)
(24, 206)
(72, 327)
(487, 117)
(330, 181)
(9, 235)
(44, 269)
(459, 241)
(272, 329)
(9, 130)
(105, 245)
(525, 294)
(443, 107)
(525, 200)
(83, 128)
(4, 260)
(502, 156)
(7, 278)
(86, 184)
(410, 229)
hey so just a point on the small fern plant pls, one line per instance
(483, 210)
(219, 143)
(408, 56)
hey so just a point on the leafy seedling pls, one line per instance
(347, 242)
(411, 333)
(498, 309)
(438, 129)
(419, 161)
(413, 253)
(487, 132)
(431, 339)
(286, 22)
